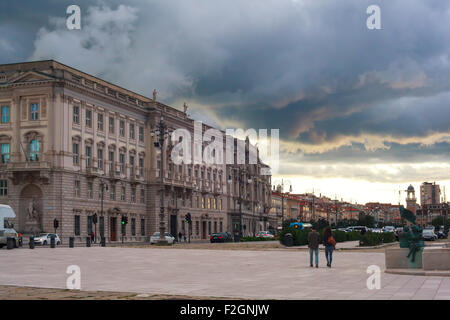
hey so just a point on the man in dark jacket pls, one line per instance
(313, 245)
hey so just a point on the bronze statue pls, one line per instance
(410, 237)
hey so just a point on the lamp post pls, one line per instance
(241, 174)
(160, 133)
(282, 201)
(103, 186)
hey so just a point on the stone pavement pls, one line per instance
(282, 274)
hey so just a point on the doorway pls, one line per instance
(203, 229)
(112, 228)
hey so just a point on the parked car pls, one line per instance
(358, 228)
(428, 234)
(155, 237)
(220, 237)
(376, 230)
(44, 239)
(6, 227)
(441, 233)
(265, 234)
(343, 229)
(388, 229)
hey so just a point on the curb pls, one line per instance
(419, 272)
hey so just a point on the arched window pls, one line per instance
(34, 150)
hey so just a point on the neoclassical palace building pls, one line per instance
(73, 144)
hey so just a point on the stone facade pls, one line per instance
(65, 136)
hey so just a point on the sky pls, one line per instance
(362, 113)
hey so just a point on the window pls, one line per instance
(34, 150)
(5, 114)
(89, 225)
(76, 114)
(215, 203)
(133, 226)
(100, 191)
(100, 122)
(180, 169)
(189, 172)
(5, 152)
(209, 227)
(197, 228)
(3, 188)
(122, 162)
(209, 203)
(77, 188)
(88, 156)
(111, 161)
(220, 204)
(34, 111)
(142, 195)
(90, 190)
(203, 202)
(142, 227)
(122, 128)
(89, 118)
(122, 193)
(221, 226)
(131, 165)
(76, 155)
(77, 225)
(215, 226)
(133, 195)
(141, 167)
(112, 192)
(141, 134)
(132, 133)
(100, 158)
(111, 125)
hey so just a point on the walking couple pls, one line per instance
(328, 242)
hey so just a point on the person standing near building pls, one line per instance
(313, 245)
(330, 243)
(179, 237)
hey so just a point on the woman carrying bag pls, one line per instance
(330, 244)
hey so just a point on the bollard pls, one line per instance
(52, 242)
(31, 243)
(288, 240)
(9, 243)
(103, 241)
(71, 241)
(88, 241)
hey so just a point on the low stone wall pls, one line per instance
(396, 258)
(431, 258)
(435, 258)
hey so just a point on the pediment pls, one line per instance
(30, 76)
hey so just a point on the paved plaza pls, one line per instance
(274, 274)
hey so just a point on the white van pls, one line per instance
(7, 228)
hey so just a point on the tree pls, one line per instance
(366, 220)
(320, 224)
(439, 221)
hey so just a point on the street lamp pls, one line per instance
(103, 186)
(241, 174)
(282, 200)
(161, 132)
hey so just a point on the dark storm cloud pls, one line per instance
(310, 68)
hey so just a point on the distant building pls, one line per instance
(430, 193)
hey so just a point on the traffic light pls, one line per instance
(94, 218)
(55, 223)
(124, 220)
(187, 218)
